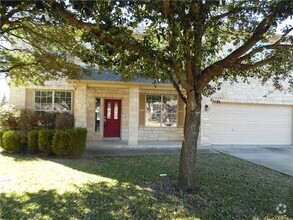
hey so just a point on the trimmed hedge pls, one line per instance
(60, 143)
(32, 141)
(45, 141)
(70, 142)
(1, 133)
(77, 141)
(11, 141)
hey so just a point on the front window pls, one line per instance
(53, 100)
(62, 101)
(98, 114)
(161, 111)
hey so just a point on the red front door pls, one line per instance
(112, 115)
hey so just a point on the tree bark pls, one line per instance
(187, 181)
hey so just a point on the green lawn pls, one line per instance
(130, 188)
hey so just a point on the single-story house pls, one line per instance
(138, 110)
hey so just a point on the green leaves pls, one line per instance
(180, 38)
(41, 52)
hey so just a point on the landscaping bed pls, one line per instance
(49, 133)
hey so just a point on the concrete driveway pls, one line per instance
(279, 158)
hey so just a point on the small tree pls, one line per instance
(181, 42)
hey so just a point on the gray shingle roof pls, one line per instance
(112, 77)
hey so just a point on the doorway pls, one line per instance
(112, 118)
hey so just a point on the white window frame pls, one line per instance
(162, 108)
(53, 98)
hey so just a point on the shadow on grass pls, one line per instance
(91, 201)
(231, 189)
(21, 157)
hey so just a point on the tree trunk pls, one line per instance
(186, 181)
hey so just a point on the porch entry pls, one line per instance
(112, 118)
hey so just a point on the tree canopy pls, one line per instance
(181, 39)
(34, 49)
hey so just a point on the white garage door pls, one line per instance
(251, 124)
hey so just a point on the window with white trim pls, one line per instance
(98, 114)
(46, 100)
(161, 111)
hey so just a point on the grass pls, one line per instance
(131, 188)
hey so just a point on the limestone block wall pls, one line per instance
(253, 93)
(103, 93)
(160, 133)
(133, 116)
(80, 106)
(54, 85)
(17, 97)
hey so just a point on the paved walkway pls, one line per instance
(143, 148)
(279, 158)
(136, 152)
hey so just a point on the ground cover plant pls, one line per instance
(131, 188)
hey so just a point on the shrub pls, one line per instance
(32, 142)
(77, 141)
(1, 133)
(28, 120)
(70, 142)
(60, 143)
(45, 141)
(47, 120)
(64, 121)
(9, 117)
(12, 141)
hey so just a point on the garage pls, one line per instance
(251, 124)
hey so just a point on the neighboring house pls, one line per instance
(138, 110)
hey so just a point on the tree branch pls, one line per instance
(18, 65)
(187, 58)
(176, 86)
(133, 47)
(230, 12)
(73, 21)
(15, 49)
(215, 69)
(4, 19)
(41, 35)
(275, 46)
(259, 49)
(254, 65)
(172, 46)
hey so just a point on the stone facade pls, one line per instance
(17, 97)
(133, 116)
(80, 106)
(130, 130)
(85, 95)
(160, 133)
(103, 93)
